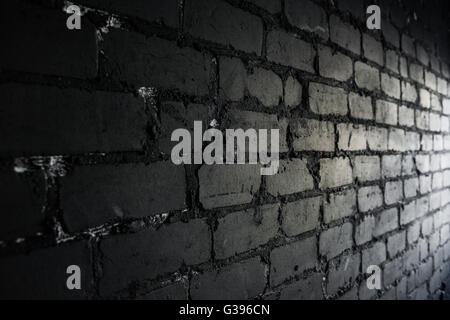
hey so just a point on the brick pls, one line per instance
(334, 241)
(342, 271)
(176, 115)
(435, 122)
(412, 140)
(335, 172)
(434, 240)
(396, 243)
(396, 140)
(425, 271)
(240, 119)
(438, 144)
(435, 162)
(127, 257)
(413, 233)
(393, 192)
(84, 113)
(422, 120)
(427, 142)
(435, 102)
(408, 167)
(115, 190)
(351, 137)
(374, 255)
(434, 63)
(339, 205)
(377, 139)
(406, 116)
(238, 184)
(244, 230)
(369, 198)
(385, 221)
(442, 86)
(266, 86)
(144, 62)
(423, 205)
(390, 85)
(366, 168)
(425, 184)
(233, 78)
(293, 176)
(411, 187)
(392, 61)
(309, 134)
(427, 226)
(364, 230)
(375, 226)
(324, 99)
(287, 50)
(307, 16)
(292, 259)
(408, 45)
(430, 80)
(19, 274)
(304, 289)
(334, 65)
(437, 181)
(43, 52)
(390, 34)
(403, 67)
(416, 72)
(292, 92)
(392, 271)
(211, 20)
(391, 166)
(386, 112)
(445, 124)
(409, 92)
(300, 216)
(408, 212)
(344, 35)
(373, 49)
(424, 98)
(244, 280)
(23, 197)
(360, 106)
(366, 76)
(422, 54)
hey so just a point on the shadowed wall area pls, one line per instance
(86, 176)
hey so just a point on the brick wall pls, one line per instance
(86, 175)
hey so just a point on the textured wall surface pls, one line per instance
(86, 176)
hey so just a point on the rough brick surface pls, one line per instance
(84, 113)
(127, 258)
(210, 20)
(115, 196)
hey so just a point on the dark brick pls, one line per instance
(220, 22)
(22, 198)
(144, 255)
(243, 280)
(34, 122)
(42, 273)
(93, 195)
(36, 39)
(154, 62)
